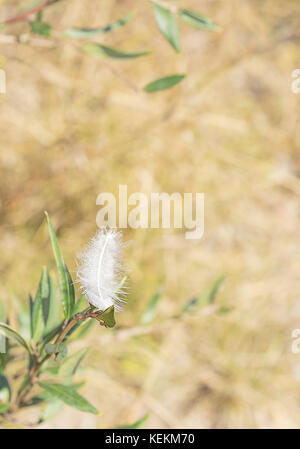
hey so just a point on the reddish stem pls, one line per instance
(38, 363)
(34, 10)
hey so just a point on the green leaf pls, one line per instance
(167, 25)
(108, 317)
(46, 396)
(39, 27)
(50, 335)
(54, 316)
(51, 409)
(40, 307)
(11, 333)
(137, 425)
(102, 50)
(78, 307)
(71, 291)
(83, 33)
(189, 305)
(197, 20)
(69, 396)
(24, 320)
(5, 392)
(224, 309)
(4, 407)
(51, 348)
(46, 295)
(79, 385)
(60, 350)
(4, 356)
(62, 353)
(4, 347)
(66, 283)
(151, 309)
(81, 329)
(163, 83)
(207, 297)
(31, 314)
(71, 363)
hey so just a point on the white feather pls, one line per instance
(100, 270)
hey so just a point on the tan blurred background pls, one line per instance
(73, 126)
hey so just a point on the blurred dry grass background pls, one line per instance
(73, 126)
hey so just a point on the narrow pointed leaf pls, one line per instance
(78, 307)
(4, 356)
(51, 409)
(151, 309)
(40, 308)
(60, 350)
(104, 51)
(163, 83)
(66, 284)
(51, 348)
(71, 291)
(71, 363)
(167, 25)
(46, 396)
(207, 297)
(84, 33)
(62, 353)
(54, 316)
(197, 20)
(81, 329)
(24, 324)
(11, 333)
(137, 425)
(46, 295)
(69, 396)
(50, 335)
(31, 302)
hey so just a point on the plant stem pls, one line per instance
(38, 363)
(33, 10)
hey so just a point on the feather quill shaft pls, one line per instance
(100, 270)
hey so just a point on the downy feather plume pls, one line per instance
(100, 270)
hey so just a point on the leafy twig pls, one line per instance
(37, 363)
(35, 9)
